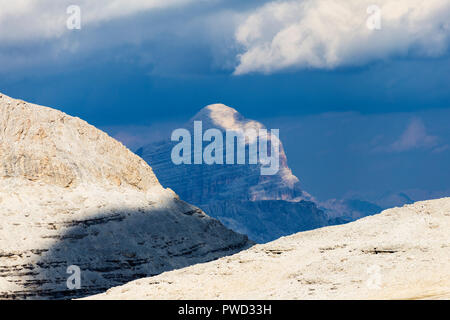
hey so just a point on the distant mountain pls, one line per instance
(264, 207)
(389, 200)
(71, 196)
(341, 211)
(264, 220)
(347, 210)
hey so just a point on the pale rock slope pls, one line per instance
(71, 195)
(402, 253)
(263, 207)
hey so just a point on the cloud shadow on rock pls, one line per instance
(114, 248)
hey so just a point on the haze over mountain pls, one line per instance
(71, 195)
(264, 207)
(402, 253)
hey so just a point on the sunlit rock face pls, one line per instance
(263, 206)
(72, 196)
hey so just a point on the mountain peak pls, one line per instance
(41, 144)
(224, 117)
(217, 108)
(237, 194)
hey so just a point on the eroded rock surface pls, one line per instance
(402, 253)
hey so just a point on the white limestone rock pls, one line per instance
(402, 253)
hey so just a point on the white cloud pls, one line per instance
(329, 33)
(414, 137)
(278, 35)
(34, 33)
(25, 20)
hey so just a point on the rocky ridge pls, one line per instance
(401, 253)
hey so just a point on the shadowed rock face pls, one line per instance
(113, 247)
(71, 195)
(266, 219)
(264, 207)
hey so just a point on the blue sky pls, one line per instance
(344, 96)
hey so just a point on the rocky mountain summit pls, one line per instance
(402, 253)
(264, 207)
(72, 196)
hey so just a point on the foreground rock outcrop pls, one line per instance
(265, 207)
(71, 195)
(402, 253)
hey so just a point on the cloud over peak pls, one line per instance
(414, 137)
(327, 34)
